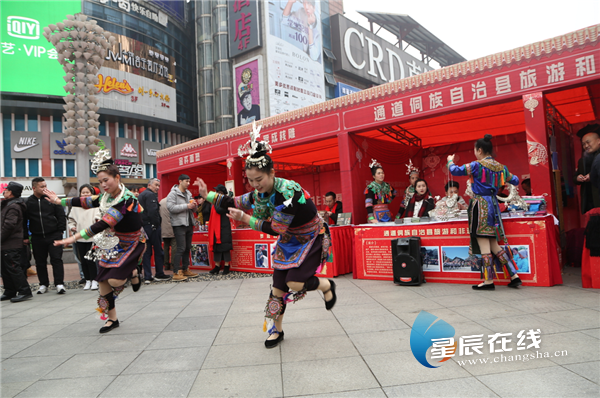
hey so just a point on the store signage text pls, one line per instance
(128, 169)
(23, 28)
(244, 28)
(25, 143)
(129, 6)
(128, 151)
(130, 59)
(106, 84)
(62, 151)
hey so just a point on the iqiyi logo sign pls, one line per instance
(427, 329)
(24, 28)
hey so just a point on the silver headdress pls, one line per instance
(374, 163)
(101, 161)
(410, 168)
(253, 146)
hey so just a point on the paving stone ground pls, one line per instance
(205, 339)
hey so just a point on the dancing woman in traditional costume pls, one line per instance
(378, 195)
(281, 208)
(119, 239)
(485, 223)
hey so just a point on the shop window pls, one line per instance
(58, 168)
(19, 123)
(57, 125)
(6, 128)
(70, 167)
(102, 129)
(34, 167)
(20, 167)
(121, 130)
(32, 123)
(148, 170)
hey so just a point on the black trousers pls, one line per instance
(87, 266)
(183, 236)
(153, 244)
(42, 247)
(14, 279)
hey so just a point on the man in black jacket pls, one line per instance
(152, 225)
(590, 140)
(47, 223)
(332, 209)
(16, 288)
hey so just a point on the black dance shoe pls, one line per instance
(515, 283)
(489, 286)
(329, 304)
(275, 342)
(113, 325)
(136, 286)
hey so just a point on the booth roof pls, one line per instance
(501, 118)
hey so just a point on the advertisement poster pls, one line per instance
(249, 92)
(26, 52)
(128, 92)
(294, 54)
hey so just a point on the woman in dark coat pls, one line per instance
(219, 235)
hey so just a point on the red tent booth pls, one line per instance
(532, 99)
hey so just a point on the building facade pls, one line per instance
(147, 87)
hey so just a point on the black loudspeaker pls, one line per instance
(407, 262)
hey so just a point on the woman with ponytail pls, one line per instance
(485, 225)
(280, 208)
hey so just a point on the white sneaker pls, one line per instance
(94, 285)
(43, 289)
(60, 289)
(88, 285)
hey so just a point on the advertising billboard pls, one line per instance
(249, 91)
(25, 145)
(244, 28)
(127, 149)
(29, 62)
(294, 54)
(127, 92)
(360, 53)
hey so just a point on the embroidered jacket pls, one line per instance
(487, 175)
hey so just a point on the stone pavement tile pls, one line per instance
(80, 329)
(53, 319)
(57, 346)
(579, 347)
(296, 313)
(29, 369)
(515, 324)
(580, 319)
(194, 310)
(175, 305)
(459, 300)
(441, 289)
(12, 348)
(195, 323)
(449, 315)
(490, 310)
(119, 343)
(13, 323)
(236, 320)
(352, 299)
(177, 296)
(78, 387)
(546, 304)
(592, 332)
(326, 376)
(91, 365)
(137, 324)
(589, 370)
(248, 354)
(175, 384)
(396, 295)
(369, 393)
(312, 329)
(361, 310)
(168, 340)
(248, 381)
(382, 342)
(582, 299)
(399, 368)
(239, 335)
(29, 333)
(544, 382)
(421, 303)
(9, 390)
(373, 323)
(172, 360)
(470, 328)
(463, 387)
(294, 350)
(501, 362)
(9, 329)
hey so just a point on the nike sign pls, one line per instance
(16, 148)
